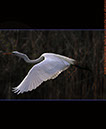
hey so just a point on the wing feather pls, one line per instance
(45, 70)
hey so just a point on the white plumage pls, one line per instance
(48, 68)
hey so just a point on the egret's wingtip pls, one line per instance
(15, 90)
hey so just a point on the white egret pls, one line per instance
(47, 66)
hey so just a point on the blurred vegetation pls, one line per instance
(84, 46)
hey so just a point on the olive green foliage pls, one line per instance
(84, 46)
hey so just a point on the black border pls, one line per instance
(73, 15)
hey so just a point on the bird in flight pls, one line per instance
(47, 66)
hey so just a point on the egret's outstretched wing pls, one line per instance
(45, 70)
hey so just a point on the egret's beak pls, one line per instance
(7, 53)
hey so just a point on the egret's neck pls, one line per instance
(26, 59)
(33, 61)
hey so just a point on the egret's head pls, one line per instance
(19, 54)
(15, 52)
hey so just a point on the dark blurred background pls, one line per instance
(86, 46)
